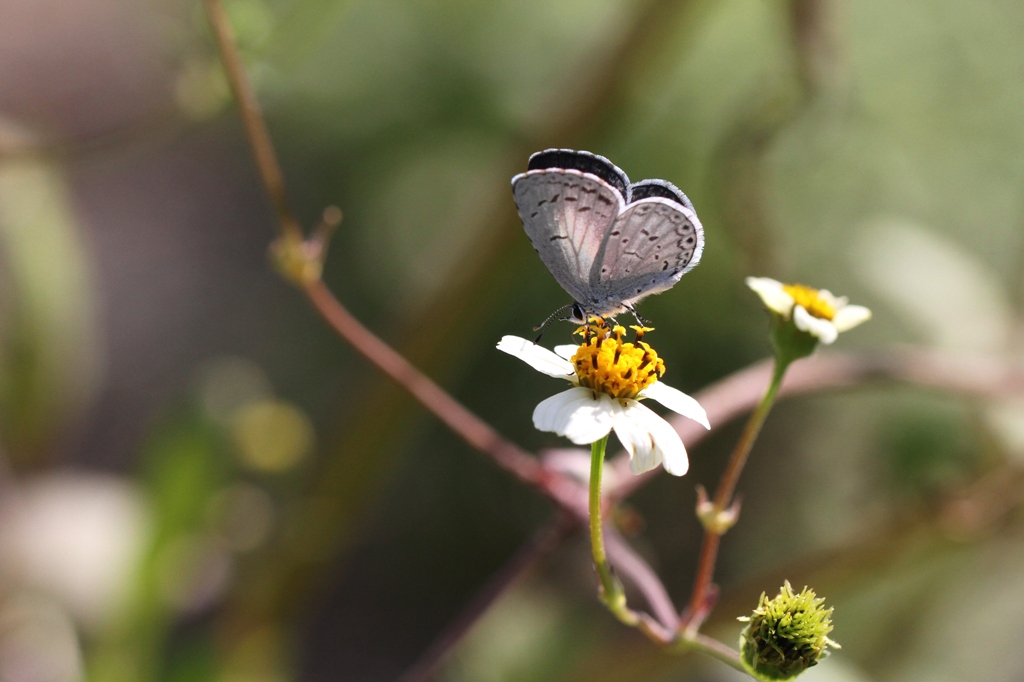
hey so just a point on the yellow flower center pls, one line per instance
(810, 300)
(605, 362)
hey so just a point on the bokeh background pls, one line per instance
(200, 482)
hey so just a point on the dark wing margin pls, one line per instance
(645, 189)
(563, 159)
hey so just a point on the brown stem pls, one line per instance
(731, 397)
(699, 607)
(252, 119)
(471, 428)
(475, 431)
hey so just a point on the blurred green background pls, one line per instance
(200, 482)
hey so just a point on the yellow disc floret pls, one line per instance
(607, 363)
(811, 301)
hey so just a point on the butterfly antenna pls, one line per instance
(544, 325)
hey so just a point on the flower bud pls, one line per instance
(713, 520)
(786, 635)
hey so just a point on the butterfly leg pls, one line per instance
(639, 320)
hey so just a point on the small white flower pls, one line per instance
(609, 379)
(815, 311)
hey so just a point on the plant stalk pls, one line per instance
(612, 593)
(723, 500)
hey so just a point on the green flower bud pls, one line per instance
(786, 635)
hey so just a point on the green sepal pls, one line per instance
(790, 342)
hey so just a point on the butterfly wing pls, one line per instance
(567, 214)
(654, 242)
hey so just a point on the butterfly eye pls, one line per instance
(578, 315)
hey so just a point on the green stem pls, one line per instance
(723, 499)
(727, 486)
(713, 648)
(612, 593)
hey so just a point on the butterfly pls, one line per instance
(607, 242)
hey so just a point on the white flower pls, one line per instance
(815, 311)
(609, 380)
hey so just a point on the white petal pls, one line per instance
(638, 443)
(538, 357)
(552, 413)
(677, 401)
(823, 329)
(772, 294)
(577, 415)
(850, 316)
(566, 351)
(667, 446)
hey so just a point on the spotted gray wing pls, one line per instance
(653, 243)
(567, 215)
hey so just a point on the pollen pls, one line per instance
(811, 301)
(608, 363)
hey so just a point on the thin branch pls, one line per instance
(712, 647)
(252, 119)
(704, 591)
(523, 562)
(471, 428)
(475, 431)
(965, 375)
(701, 597)
(731, 477)
(633, 567)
